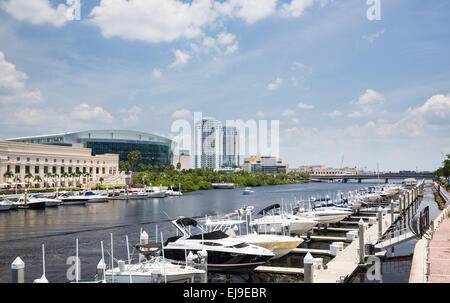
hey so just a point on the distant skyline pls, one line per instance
(340, 84)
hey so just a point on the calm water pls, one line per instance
(396, 267)
(22, 232)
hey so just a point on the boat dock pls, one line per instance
(372, 231)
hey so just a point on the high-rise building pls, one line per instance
(230, 147)
(208, 143)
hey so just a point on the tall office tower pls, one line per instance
(230, 146)
(208, 143)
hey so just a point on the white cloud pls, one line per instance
(85, 112)
(37, 12)
(275, 84)
(334, 114)
(296, 7)
(182, 114)
(296, 65)
(156, 21)
(435, 108)
(225, 43)
(370, 97)
(132, 114)
(181, 58)
(288, 112)
(260, 114)
(12, 85)
(354, 114)
(156, 73)
(304, 106)
(295, 120)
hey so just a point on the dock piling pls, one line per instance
(308, 262)
(18, 271)
(380, 223)
(392, 211)
(361, 240)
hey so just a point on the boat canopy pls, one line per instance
(215, 235)
(186, 222)
(268, 208)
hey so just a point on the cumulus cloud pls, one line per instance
(436, 109)
(85, 112)
(370, 97)
(334, 114)
(288, 112)
(156, 73)
(304, 106)
(182, 114)
(12, 84)
(295, 8)
(181, 58)
(132, 114)
(366, 103)
(225, 43)
(37, 12)
(158, 21)
(275, 84)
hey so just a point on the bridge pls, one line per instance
(385, 176)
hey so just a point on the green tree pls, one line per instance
(8, 175)
(133, 158)
(28, 178)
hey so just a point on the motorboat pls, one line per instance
(279, 223)
(13, 205)
(225, 254)
(278, 244)
(71, 199)
(157, 269)
(31, 202)
(94, 198)
(155, 192)
(248, 191)
(324, 215)
(137, 195)
(48, 201)
(5, 205)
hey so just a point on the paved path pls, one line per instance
(439, 254)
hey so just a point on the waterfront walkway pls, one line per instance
(439, 252)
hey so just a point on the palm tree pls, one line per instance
(72, 176)
(8, 175)
(28, 178)
(47, 175)
(64, 176)
(37, 179)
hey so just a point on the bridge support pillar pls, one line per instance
(386, 180)
(344, 180)
(359, 180)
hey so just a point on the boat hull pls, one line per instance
(220, 262)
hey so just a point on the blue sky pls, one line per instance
(341, 85)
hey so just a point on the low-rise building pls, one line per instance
(322, 170)
(266, 164)
(40, 165)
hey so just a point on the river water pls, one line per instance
(23, 232)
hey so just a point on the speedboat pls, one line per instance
(248, 191)
(71, 199)
(48, 201)
(94, 198)
(225, 254)
(324, 215)
(5, 205)
(281, 223)
(278, 244)
(31, 202)
(155, 192)
(157, 269)
(137, 195)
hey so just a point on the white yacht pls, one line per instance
(225, 254)
(278, 244)
(157, 269)
(280, 223)
(5, 205)
(137, 195)
(31, 202)
(94, 198)
(49, 202)
(248, 191)
(71, 199)
(324, 215)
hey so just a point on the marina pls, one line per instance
(334, 248)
